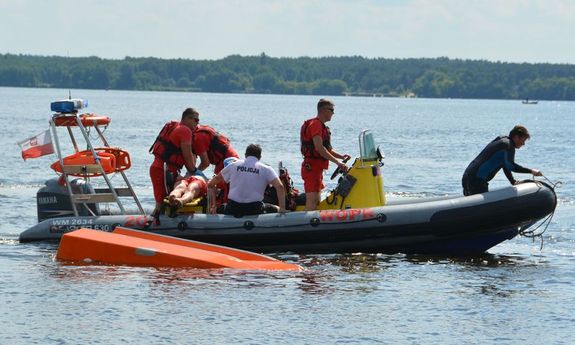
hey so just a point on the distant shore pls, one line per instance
(345, 76)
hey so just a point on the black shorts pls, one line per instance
(473, 185)
(240, 209)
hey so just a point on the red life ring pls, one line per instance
(88, 120)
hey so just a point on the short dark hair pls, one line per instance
(323, 103)
(254, 150)
(520, 131)
(189, 112)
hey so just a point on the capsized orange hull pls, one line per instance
(137, 248)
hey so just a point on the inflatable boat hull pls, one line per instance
(449, 225)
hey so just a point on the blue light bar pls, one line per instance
(68, 105)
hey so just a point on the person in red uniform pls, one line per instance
(211, 147)
(173, 147)
(317, 152)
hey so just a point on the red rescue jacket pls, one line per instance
(218, 147)
(307, 148)
(165, 149)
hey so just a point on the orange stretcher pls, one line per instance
(111, 159)
(130, 247)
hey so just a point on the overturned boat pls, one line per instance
(354, 217)
(130, 247)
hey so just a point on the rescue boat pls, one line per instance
(354, 217)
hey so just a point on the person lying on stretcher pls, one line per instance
(194, 186)
(187, 189)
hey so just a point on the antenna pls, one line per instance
(69, 90)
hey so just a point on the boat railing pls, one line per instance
(101, 195)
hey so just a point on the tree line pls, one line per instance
(352, 75)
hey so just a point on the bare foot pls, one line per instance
(173, 200)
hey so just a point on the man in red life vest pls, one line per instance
(172, 147)
(211, 147)
(317, 152)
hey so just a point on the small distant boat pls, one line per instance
(529, 101)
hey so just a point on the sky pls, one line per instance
(533, 31)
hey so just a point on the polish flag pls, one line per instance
(36, 146)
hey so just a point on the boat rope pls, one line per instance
(379, 217)
(536, 233)
(553, 185)
(96, 136)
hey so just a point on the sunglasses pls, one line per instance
(331, 109)
(196, 119)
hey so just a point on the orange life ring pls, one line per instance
(112, 160)
(88, 120)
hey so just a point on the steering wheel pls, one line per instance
(337, 170)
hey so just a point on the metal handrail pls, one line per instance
(112, 191)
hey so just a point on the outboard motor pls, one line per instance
(53, 200)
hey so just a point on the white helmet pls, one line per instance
(229, 161)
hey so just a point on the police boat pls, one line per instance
(354, 217)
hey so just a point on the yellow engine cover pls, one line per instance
(367, 191)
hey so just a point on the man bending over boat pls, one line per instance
(211, 147)
(500, 153)
(317, 152)
(248, 179)
(173, 147)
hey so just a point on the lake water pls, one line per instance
(517, 293)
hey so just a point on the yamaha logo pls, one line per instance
(45, 200)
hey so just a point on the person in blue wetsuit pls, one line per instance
(500, 153)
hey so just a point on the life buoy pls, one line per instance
(88, 120)
(112, 160)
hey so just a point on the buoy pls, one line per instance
(88, 120)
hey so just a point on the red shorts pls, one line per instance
(312, 175)
(198, 181)
(219, 167)
(158, 180)
(157, 177)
